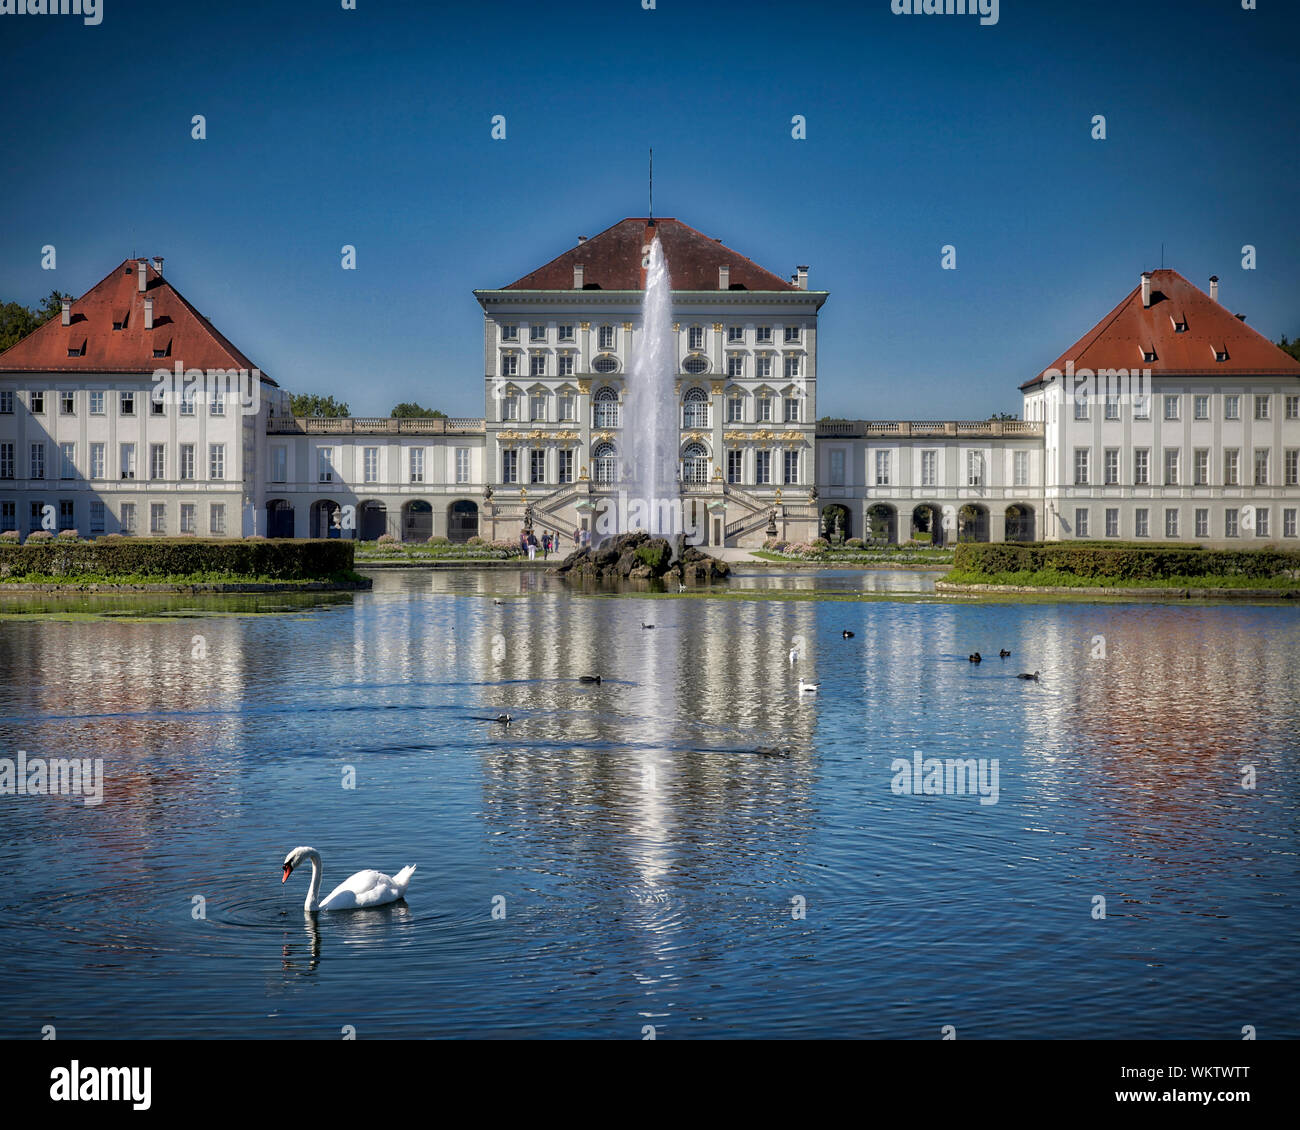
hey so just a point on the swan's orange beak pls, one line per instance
(287, 870)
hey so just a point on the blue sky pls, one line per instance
(372, 127)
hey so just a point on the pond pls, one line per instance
(692, 845)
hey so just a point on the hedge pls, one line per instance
(289, 559)
(1122, 562)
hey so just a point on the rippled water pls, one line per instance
(650, 837)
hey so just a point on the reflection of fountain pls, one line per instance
(650, 429)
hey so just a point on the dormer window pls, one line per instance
(1149, 354)
(120, 318)
(77, 348)
(1180, 324)
(1221, 353)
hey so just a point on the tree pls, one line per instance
(409, 408)
(1291, 347)
(305, 404)
(17, 320)
(1005, 416)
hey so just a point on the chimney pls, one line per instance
(578, 270)
(1241, 317)
(724, 278)
(148, 313)
(1146, 289)
(67, 311)
(802, 276)
(1214, 288)
(157, 264)
(141, 273)
(582, 239)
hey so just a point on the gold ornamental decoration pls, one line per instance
(584, 387)
(717, 386)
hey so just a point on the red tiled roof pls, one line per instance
(1119, 339)
(612, 261)
(194, 341)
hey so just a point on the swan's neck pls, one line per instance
(312, 904)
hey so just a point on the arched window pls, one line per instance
(604, 463)
(695, 464)
(605, 409)
(695, 409)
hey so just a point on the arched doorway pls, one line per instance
(462, 520)
(326, 519)
(279, 518)
(417, 521)
(972, 523)
(604, 463)
(372, 521)
(695, 463)
(927, 524)
(834, 525)
(1020, 523)
(883, 523)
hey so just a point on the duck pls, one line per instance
(1003, 653)
(504, 719)
(847, 634)
(495, 601)
(361, 891)
(647, 626)
(976, 658)
(589, 678)
(1032, 678)
(808, 688)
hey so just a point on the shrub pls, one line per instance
(854, 543)
(475, 540)
(255, 537)
(386, 539)
(1122, 562)
(40, 535)
(821, 543)
(69, 535)
(117, 556)
(113, 537)
(9, 536)
(438, 539)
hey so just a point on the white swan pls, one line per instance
(364, 889)
(808, 688)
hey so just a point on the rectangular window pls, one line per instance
(325, 465)
(536, 333)
(6, 460)
(791, 467)
(35, 515)
(1081, 522)
(735, 366)
(462, 464)
(509, 333)
(97, 461)
(187, 402)
(1141, 466)
(157, 461)
(128, 518)
(537, 408)
(765, 409)
(1201, 464)
(156, 405)
(882, 468)
(126, 404)
(735, 334)
(791, 410)
(762, 467)
(67, 460)
(1081, 455)
(1019, 469)
(792, 366)
(67, 403)
(735, 464)
(157, 517)
(509, 364)
(606, 337)
(510, 409)
(1171, 466)
(1261, 522)
(1081, 406)
(67, 514)
(564, 333)
(565, 455)
(1112, 407)
(9, 516)
(1230, 523)
(564, 367)
(1288, 522)
(1141, 522)
(1262, 407)
(537, 465)
(695, 337)
(1261, 466)
(1293, 407)
(930, 467)
(217, 518)
(187, 518)
(38, 461)
(97, 403)
(735, 410)
(537, 366)
(762, 367)
(216, 461)
(1172, 407)
(417, 464)
(96, 517)
(187, 461)
(1142, 407)
(1202, 522)
(1171, 522)
(1111, 466)
(1201, 407)
(974, 469)
(6, 402)
(217, 401)
(1232, 407)
(37, 402)
(509, 465)
(279, 464)
(763, 335)
(370, 464)
(1112, 521)
(792, 335)
(837, 468)
(1231, 467)
(1291, 466)
(567, 408)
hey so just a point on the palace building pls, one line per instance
(1171, 419)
